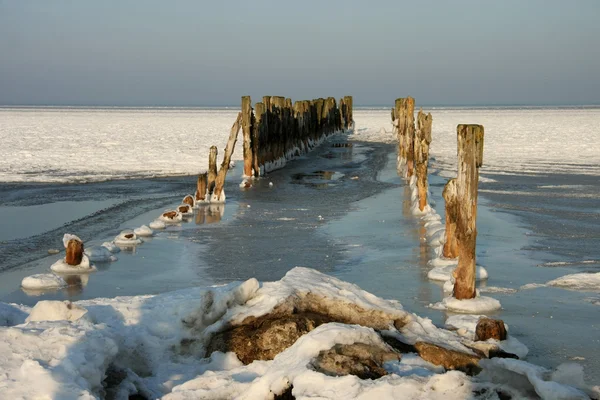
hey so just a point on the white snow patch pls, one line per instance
(176, 218)
(127, 238)
(49, 310)
(67, 237)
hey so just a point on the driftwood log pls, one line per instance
(470, 158)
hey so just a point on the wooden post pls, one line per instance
(470, 158)
(257, 135)
(212, 168)
(247, 131)
(201, 187)
(422, 142)
(405, 113)
(350, 117)
(449, 194)
(220, 181)
(74, 252)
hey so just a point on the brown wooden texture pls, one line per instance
(421, 150)
(74, 252)
(222, 174)
(449, 194)
(470, 157)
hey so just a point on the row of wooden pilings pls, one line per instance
(460, 193)
(276, 130)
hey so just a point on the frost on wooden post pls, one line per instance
(470, 158)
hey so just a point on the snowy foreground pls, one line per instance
(156, 346)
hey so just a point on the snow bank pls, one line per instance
(48, 310)
(12, 314)
(43, 281)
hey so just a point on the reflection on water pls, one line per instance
(209, 214)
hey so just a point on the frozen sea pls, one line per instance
(342, 210)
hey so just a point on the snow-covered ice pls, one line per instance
(157, 224)
(584, 282)
(127, 238)
(67, 348)
(477, 305)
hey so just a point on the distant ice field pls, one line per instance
(86, 145)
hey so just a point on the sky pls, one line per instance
(209, 53)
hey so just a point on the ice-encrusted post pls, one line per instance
(258, 128)
(470, 158)
(422, 142)
(74, 252)
(217, 196)
(212, 168)
(450, 249)
(201, 187)
(247, 131)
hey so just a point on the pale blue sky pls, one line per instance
(460, 52)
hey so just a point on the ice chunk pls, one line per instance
(587, 282)
(143, 231)
(157, 224)
(84, 267)
(99, 254)
(478, 305)
(111, 247)
(68, 237)
(43, 281)
(127, 238)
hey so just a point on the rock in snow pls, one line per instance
(156, 346)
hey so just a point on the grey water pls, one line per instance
(345, 212)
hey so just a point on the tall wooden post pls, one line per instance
(350, 116)
(449, 194)
(220, 181)
(212, 168)
(470, 158)
(247, 131)
(421, 150)
(201, 187)
(257, 134)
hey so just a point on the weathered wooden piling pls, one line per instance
(421, 151)
(74, 252)
(247, 131)
(201, 187)
(470, 158)
(212, 169)
(222, 174)
(450, 249)
(258, 129)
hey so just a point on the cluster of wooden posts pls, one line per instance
(413, 144)
(460, 194)
(276, 130)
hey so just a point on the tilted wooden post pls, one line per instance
(422, 142)
(201, 187)
(247, 130)
(212, 168)
(449, 194)
(470, 158)
(220, 181)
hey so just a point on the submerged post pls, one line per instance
(421, 150)
(470, 158)
(247, 131)
(450, 249)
